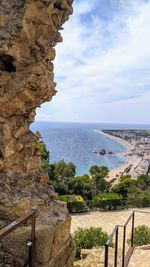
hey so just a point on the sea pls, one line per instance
(75, 142)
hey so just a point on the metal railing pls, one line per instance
(15, 224)
(125, 257)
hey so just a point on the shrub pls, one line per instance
(79, 198)
(64, 198)
(74, 203)
(108, 201)
(109, 204)
(141, 235)
(89, 238)
(106, 196)
(77, 206)
(143, 200)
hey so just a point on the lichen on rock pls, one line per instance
(29, 31)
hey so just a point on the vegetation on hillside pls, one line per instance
(45, 155)
(94, 191)
(93, 188)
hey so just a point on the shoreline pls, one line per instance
(117, 139)
(132, 160)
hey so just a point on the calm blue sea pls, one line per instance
(76, 141)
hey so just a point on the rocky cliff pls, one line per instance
(29, 31)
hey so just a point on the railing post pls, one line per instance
(116, 247)
(124, 246)
(106, 255)
(29, 245)
(132, 233)
(32, 248)
(33, 227)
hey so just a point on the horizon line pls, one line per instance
(84, 122)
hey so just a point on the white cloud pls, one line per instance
(103, 61)
(84, 7)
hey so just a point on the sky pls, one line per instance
(102, 68)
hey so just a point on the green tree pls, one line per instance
(60, 187)
(61, 176)
(83, 185)
(98, 174)
(124, 177)
(125, 187)
(64, 170)
(43, 151)
(38, 134)
(51, 171)
(94, 170)
(143, 181)
(45, 155)
(101, 170)
(101, 184)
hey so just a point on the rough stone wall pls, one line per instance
(29, 31)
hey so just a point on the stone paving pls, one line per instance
(108, 220)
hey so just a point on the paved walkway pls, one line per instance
(108, 220)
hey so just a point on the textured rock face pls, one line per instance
(29, 31)
(95, 258)
(54, 247)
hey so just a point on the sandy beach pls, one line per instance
(116, 173)
(119, 140)
(132, 160)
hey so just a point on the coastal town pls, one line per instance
(138, 152)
